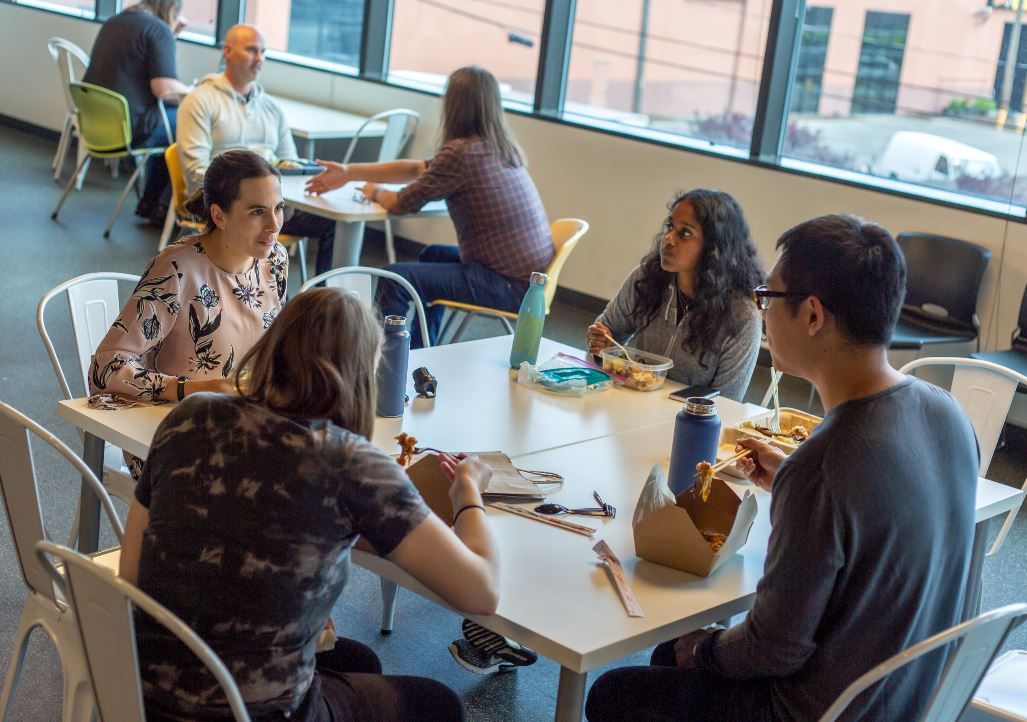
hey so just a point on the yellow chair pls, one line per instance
(179, 217)
(566, 234)
(105, 129)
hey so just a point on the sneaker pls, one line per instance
(482, 651)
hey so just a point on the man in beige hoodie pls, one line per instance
(230, 110)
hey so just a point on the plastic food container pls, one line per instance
(645, 372)
(790, 419)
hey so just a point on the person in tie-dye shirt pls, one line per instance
(245, 515)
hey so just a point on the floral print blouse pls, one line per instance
(187, 317)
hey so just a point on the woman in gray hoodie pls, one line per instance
(690, 298)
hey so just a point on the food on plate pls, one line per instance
(795, 435)
(406, 448)
(716, 539)
(632, 376)
(704, 483)
(291, 164)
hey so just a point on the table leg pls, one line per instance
(349, 240)
(88, 504)
(570, 696)
(975, 577)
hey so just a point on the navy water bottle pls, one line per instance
(530, 319)
(696, 438)
(392, 368)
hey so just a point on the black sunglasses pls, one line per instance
(761, 295)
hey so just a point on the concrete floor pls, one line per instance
(41, 253)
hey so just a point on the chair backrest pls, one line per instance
(400, 126)
(104, 124)
(103, 604)
(94, 306)
(1019, 340)
(984, 391)
(177, 176)
(566, 234)
(943, 278)
(21, 495)
(65, 53)
(973, 645)
(361, 286)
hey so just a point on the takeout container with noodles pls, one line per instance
(789, 420)
(670, 530)
(643, 372)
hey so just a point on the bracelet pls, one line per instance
(465, 508)
(180, 389)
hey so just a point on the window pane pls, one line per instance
(432, 38)
(81, 8)
(911, 96)
(687, 67)
(328, 31)
(202, 16)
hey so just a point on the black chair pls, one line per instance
(943, 278)
(1015, 357)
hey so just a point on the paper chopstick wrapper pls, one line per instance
(616, 569)
(544, 518)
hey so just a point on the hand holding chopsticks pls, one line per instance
(721, 465)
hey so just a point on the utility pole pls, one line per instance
(643, 33)
(1012, 56)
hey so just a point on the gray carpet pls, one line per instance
(42, 253)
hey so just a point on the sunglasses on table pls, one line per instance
(761, 295)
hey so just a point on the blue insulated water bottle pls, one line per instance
(392, 368)
(530, 319)
(696, 438)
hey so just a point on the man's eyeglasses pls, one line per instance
(761, 295)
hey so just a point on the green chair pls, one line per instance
(105, 129)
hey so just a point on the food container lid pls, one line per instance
(655, 361)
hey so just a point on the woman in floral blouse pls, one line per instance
(205, 300)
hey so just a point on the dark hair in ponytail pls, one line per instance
(222, 180)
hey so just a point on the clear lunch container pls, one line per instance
(644, 372)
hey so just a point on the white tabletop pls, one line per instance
(317, 122)
(480, 407)
(341, 204)
(558, 601)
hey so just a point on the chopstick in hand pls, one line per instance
(720, 466)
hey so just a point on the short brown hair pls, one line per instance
(317, 361)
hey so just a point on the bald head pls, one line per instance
(244, 56)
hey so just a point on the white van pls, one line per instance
(926, 158)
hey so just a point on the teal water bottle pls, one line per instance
(529, 322)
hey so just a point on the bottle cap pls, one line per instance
(395, 321)
(539, 279)
(700, 406)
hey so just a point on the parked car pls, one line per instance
(933, 159)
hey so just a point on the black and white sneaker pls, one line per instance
(482, 651)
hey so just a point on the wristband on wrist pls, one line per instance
(180, 387)
(465, 508)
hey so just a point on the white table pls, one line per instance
(548, 573)
(349, 213)
(311, 123)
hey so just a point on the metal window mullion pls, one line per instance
(376, 38)
(230, 12)
(106, 8)
(554, 56)
(775, 84)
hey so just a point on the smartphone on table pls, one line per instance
(706, 392)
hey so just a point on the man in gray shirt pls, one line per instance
(873, 515)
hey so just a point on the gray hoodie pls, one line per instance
(729, 365)
(214, 118)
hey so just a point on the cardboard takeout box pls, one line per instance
(671, 535)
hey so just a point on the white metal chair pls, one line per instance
(400, 126)
(44, 605)
(103, 605)
(984, 391)
(361, 285)
(94, 306)
(973, 645)
(66, 54)
(1002, 695)
(566, 233)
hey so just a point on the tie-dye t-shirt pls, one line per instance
(252, 516)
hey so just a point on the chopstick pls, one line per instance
(720, 466)
(529, 514)
(627, 356)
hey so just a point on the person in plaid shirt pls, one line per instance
(501, 225)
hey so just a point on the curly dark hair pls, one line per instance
(728, 268)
